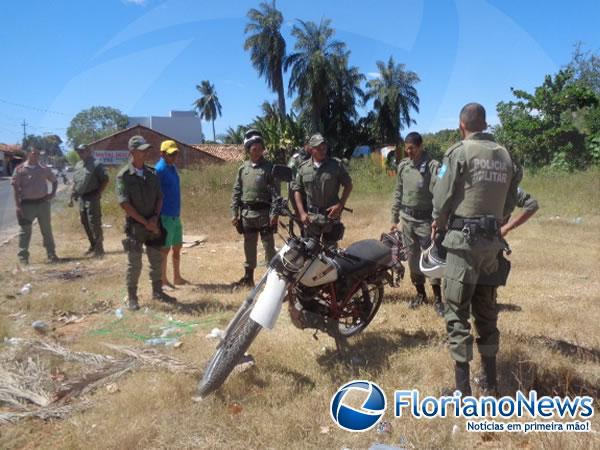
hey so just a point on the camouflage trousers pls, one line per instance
(465, 297)
(136, 238)
(320, 227)
(253, 226)
(30, 211)
(90, 213)
(416, 236)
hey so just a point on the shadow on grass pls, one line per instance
(203, 307)
(519, 372)
(216, 288)
(509, 307)
(373, 350)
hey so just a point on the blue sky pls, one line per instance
(145, 57)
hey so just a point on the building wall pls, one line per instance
(119, 143)
(183, 126)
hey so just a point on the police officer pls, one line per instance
(251, 212)
(32, 201)
(413, 204)
(318, 181)
(138, 193)
(89, 181)
(476, 187)
(529, 205)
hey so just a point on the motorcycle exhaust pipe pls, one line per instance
(268, 305)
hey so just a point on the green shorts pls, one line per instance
(174, 229)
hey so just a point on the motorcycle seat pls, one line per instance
(362, 256)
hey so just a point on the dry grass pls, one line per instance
(549, 325)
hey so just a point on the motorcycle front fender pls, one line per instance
(268, 305)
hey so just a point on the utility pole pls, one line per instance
(24, 125)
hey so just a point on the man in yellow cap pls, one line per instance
(171, 211)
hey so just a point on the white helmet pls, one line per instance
(433, 260)
(251, 137)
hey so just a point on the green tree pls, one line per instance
(539, 128)
(208, 105)
(585, 66)
(312, 69)
(281, 136)
(234, 135)
(95, 123)
(72, 157)
(395, 96)
(345, 94)
(437, 143)
(267, 47)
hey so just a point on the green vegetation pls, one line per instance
(95, 123)
(208, 105)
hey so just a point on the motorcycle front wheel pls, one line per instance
(240, 333)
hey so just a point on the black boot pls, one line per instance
(461, 376)
(420, 298)
(488, 379)
(247, 280)
(132, 300)
(158, 294)
(438, 306)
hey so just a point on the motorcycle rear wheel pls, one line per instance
(229, 352)
(367, 299)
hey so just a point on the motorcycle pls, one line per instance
(336, 291)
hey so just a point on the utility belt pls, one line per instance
(33, 201)
(419, 214)
(258, 206)
(486, 226)
(317, 210)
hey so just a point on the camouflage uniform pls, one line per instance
(143, 193)
(321, 186)
(413, 204)
(251, 202)
(475, 189)
(88, 178)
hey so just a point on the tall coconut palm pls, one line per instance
(267, 47)
(345, 95)
(395, 97)
(312, 65)
(208, 105)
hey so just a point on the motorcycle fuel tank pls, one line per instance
(320, 272)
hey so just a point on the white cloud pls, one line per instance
(373, 75)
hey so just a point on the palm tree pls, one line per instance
(312, 66)
(234, 135)
(345, 95)
(267, 47)
(208, 105)
(395, 96)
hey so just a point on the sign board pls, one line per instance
(112, 157)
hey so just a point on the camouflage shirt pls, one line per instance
(254, 187)
(141, 190)
(414, 187)
(88, 176)
(321, 185)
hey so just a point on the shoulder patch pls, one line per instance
(442, 171)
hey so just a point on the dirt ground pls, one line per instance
(550, 341)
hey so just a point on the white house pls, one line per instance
(183, 126)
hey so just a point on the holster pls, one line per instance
(500, 276)
(239, 226)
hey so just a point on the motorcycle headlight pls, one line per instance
(293, 259)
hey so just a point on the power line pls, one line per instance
(34, 108)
